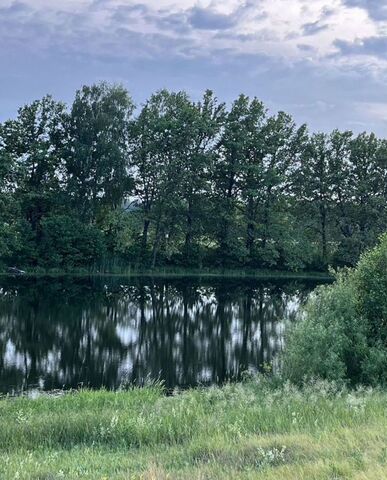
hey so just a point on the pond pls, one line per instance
(111, 332)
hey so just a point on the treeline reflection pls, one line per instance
(97, 333)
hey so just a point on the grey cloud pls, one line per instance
(177, 22)
(327, 12)
(125, 13)
(313, 28)
(377, 9)
(306, 48)
(163, 19)
(376, 46)
(181, 21)
(15, 8)
(67, 33)
(205, 19)
(55, 52)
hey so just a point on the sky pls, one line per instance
(323, 61)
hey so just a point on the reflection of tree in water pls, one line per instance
(59, 332)
(68, 333)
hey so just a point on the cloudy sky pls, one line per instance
(323, 61)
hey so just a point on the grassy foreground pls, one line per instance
(245, 431)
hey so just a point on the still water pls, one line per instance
(97, 332)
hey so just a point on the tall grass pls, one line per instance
(250, 430)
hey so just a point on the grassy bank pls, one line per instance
(243, 431)
(180, 273)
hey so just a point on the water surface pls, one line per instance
(99, 332)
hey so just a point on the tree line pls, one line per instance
(176, 182)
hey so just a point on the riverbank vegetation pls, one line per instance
(290, 425)
(172, 272)
(255, 430)
(343, 335)
(102, 186)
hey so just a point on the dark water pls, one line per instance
(97, 332)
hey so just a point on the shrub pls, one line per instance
(329, 341)
(67, 242)
(371, 285)
(342, 335)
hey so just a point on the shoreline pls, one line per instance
(159, 273)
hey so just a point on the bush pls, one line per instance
(330, 341)
(342, 335)
(371, 285)
(67, 242)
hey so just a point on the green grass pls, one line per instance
(244, 431)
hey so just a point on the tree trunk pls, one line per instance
(144, 238)
(323, 218)
(188, 235)
(266, 219)
(156, 243)
(265, 227)
(250, 234)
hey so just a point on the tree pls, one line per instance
(156, 175)
(9, 211)
(203, 128)
(367, 174)
(33, 148)
(185, 182)
(171, 155)
(314, 189)
(236, 147)
(266, 185)
(97, 164)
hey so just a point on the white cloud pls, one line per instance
(271, 27)
(303, 54)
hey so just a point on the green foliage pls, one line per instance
(371, 285)
(185, 183)
(252, 430)
(96, 160)
(343, 333)
(320, 345)
(67, 242)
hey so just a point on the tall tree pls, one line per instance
(315, 191)
(236, 146)
(98, 153)
(172, 145)
(33, 145)
(9, 211)
(340, 167)
(266, 187)
(157, 178)
(367, 175)
(205, 121)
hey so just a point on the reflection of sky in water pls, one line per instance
(96, 335)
